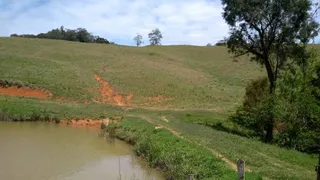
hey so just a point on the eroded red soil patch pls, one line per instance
(109, 96)
(85, 123)
(24, 92)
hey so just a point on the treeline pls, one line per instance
(79, 35)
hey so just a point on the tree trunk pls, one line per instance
(269, 134)
(270, 123)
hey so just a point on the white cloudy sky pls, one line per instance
(195, 22)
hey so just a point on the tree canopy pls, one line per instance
(271, 31)
(155, 37)
(138, 40)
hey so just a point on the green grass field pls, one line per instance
(195, 77)
(200, 87)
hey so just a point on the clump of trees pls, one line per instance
(221, 43)
(275, 34)
(79, 35)
(155, 37)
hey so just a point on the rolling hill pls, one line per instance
(178, 88)
(164, 76)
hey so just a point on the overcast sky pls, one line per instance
(195, 22)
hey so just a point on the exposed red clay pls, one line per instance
(24, 92)
(85, 123)
(109, 96)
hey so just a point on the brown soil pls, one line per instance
(85, 123)
(109, 96)
(24, 92)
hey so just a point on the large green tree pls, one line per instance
(271, 32)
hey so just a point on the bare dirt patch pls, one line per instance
(85, 123)
(25, 92)
(164, 119)
(109, 96)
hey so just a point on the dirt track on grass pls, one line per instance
(228, 161)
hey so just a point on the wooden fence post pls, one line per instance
(241, 171)
(190, 177)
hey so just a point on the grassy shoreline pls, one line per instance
(175, 157)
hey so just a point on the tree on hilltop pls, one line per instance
(138, 40)
(155, 37)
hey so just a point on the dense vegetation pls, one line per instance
(275, 34)
(79, 34)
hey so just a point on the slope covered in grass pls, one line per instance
(166, 76)
(187, 86)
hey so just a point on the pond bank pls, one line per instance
(176, 157)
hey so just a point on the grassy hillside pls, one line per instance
(177, 87)
(185, 76)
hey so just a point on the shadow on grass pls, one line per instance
(217, 122)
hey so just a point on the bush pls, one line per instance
(56, 119)
(298, 108)
(35, 116)
(295, 105)
(253, 113)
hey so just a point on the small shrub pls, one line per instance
(46, 117)
(253, 113)
(35, 116)
(103, 126)
(4, 116)
(56, 120)
(102, 116)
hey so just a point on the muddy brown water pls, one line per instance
(40, 151)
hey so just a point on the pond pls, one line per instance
(44, 151)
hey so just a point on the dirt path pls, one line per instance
(164, 119)
(180, 109)
(215, 153)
